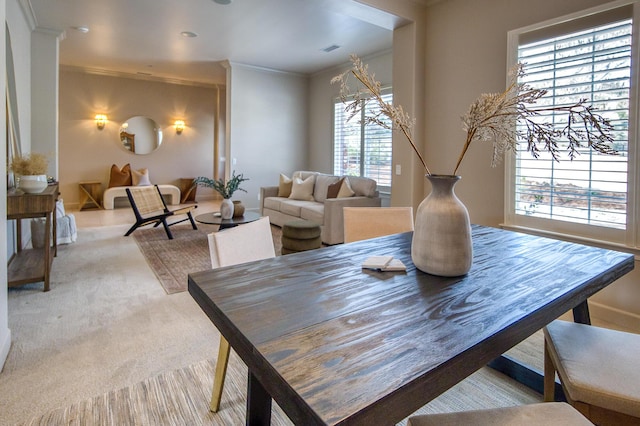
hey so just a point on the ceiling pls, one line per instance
(143, 37)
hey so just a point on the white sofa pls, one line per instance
(108, 199)
(326, 212)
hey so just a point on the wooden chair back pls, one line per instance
(362, 223)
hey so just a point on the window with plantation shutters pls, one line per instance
(588, 58)
(362, 150)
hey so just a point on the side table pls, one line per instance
(90, 192)
(188, 190)
(32, 265)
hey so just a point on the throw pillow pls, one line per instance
(284, 187)
(120, 177)
(345, 190)
(334, 189)
(140, 177)
(302, 189)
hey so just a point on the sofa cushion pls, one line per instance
(140, 177)
(302, 189)
(284, 186)
(313, 212)
(120, 177)
(334, 188)
(345, 189)
(363, 186)
(273, 203)
(292, 207)
(321, 186)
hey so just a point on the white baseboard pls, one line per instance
(4, 349)
(626, 320)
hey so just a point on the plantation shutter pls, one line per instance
(363, 150)
(591, 63)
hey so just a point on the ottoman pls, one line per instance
(300, 235)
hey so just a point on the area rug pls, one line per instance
(173, 260)
(181, 397)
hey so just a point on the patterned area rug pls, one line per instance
(181, 397)
(173, 260)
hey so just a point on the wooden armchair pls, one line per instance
(149, 207)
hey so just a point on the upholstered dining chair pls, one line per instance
(149, 207)
(233, 246)
(599, 370)
(362, 223)
(540, 414)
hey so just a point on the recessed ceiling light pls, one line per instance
(82, 29)
(188, 34)
(223, 2)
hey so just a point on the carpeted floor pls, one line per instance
(173, 260)
(181, 397)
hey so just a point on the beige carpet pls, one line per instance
(181, 397)
(188, 251)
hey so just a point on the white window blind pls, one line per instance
(362, 150)
(591, 63)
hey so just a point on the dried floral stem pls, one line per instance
(493, 117)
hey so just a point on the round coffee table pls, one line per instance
(215, 219)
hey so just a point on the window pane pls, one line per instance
(362, 150)
(592, 64)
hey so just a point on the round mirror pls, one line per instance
(140, 135)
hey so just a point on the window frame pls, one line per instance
(628, 238)
(383, 189)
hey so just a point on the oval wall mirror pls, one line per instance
(140, 135)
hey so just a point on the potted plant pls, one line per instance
(31, 170)
(225, 189)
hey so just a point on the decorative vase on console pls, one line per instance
(31, 170)
(226, 190)
(441, 243)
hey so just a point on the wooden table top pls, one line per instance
(333, 343)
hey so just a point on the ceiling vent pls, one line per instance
(331, 48)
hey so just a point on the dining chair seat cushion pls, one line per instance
(543, 414)
(597, 366)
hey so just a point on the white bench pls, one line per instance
(111, 194)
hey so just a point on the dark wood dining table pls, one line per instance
(333, 343)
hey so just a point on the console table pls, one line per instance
(32, 265)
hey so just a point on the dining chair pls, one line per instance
(540, 414)
(599, 370)
(243, 243)
(362, 223)
(149, 207)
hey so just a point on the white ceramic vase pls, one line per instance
(33, 184)
(441, 242)
(226, 209)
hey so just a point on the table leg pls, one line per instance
(258, 403)
(581, 313)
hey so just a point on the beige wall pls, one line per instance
(268, 122)
(87, 153)
(466, 44)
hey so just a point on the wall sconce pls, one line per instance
(101, 121)
(179, 125)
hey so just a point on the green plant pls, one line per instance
(30, 164)
(226, 189)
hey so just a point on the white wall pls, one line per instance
(267, 119)
(20, 37)
(466, 44)
(321, 98)
(87, 153)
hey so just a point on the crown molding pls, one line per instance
(134, 76)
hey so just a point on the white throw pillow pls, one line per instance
(140, 177)
(345, 189)
(302, 189)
